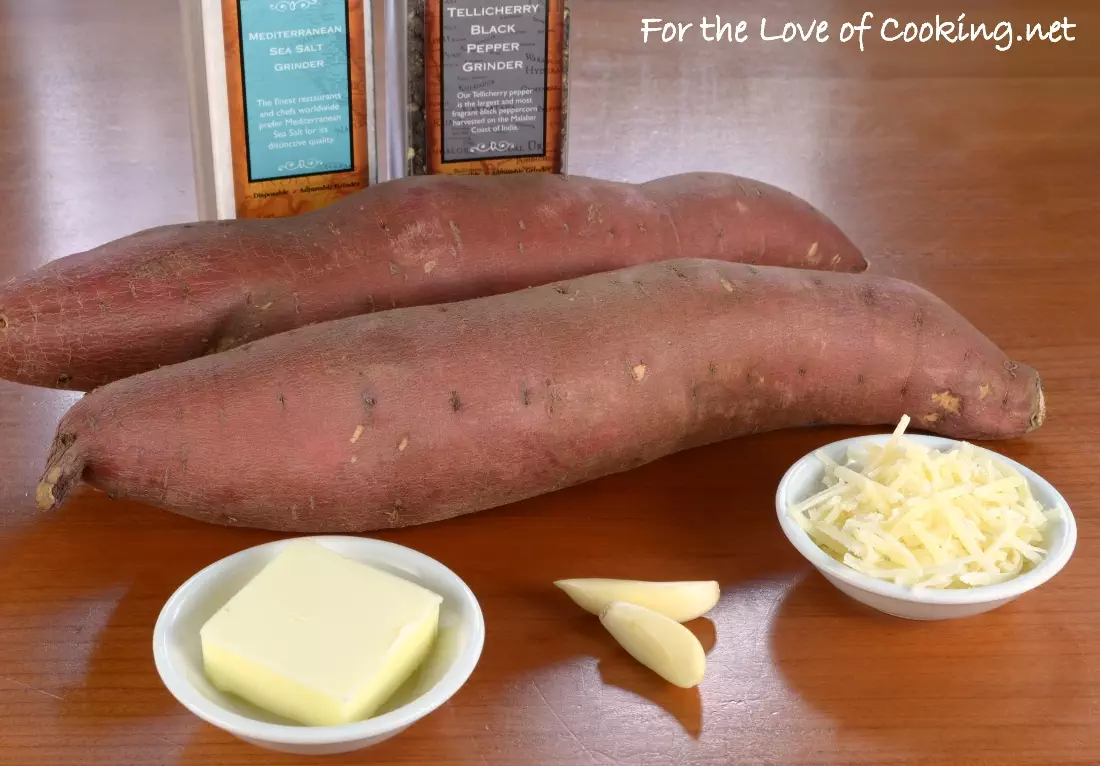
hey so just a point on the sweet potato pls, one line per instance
(178, 292)
(419, 414)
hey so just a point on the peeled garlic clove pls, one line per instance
(679, 601)
(661, 644)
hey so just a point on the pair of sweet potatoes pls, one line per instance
(539, 331)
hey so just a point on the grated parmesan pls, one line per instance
(925, 518)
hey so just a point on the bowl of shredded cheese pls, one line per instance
(924, 527)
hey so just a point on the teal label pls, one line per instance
(296, 75)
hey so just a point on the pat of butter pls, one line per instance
(318, 638)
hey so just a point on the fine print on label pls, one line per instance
(495, 85)
(296, 65)
(494, 80)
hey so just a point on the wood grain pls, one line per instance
(968, 171)
(276, 198)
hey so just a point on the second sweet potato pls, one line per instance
(415, 415)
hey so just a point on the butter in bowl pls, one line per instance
(319, 645)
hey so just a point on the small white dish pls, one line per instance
(803, 479)
(178, 651)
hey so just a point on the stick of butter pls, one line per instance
(318, 638)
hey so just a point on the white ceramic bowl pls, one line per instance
(178, 652)
(803, 479)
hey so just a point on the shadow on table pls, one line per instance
(928, 689)
(617, 668)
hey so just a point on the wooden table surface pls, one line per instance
(969, 171)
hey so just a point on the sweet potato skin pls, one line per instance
(174, 293)
(420, 414)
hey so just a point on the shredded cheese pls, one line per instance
(924, 518)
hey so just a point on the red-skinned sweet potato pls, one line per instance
(419, 414)
(178, 292)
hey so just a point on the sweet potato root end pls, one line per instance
(1040, 415)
